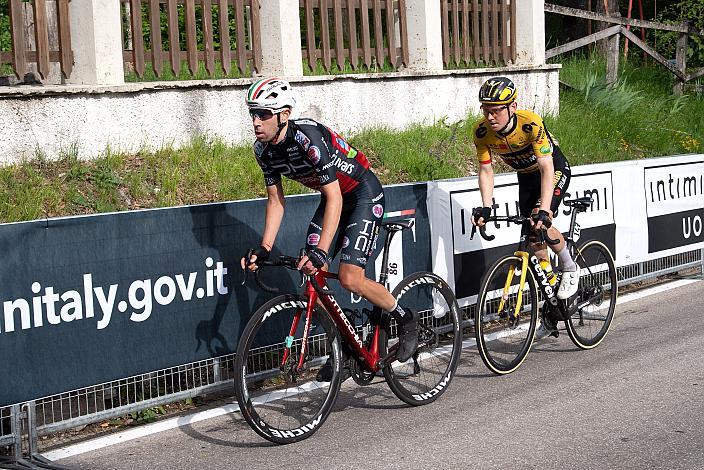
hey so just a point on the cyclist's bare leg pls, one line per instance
(541, 249)
(355, 280)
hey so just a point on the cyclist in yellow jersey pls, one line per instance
(520, 139)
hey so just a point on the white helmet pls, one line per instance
(273, 94)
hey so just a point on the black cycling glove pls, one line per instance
(317, 257)
(481, 213)
(544, 217)
(261, 253)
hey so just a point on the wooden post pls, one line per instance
(612, 43)
(681, 60)
(612, 55)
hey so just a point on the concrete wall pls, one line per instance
(151, 115)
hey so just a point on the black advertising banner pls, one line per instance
(674, 198)
(87, 300)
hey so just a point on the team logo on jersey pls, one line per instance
(557, 192)
(302, 139)
(558, 175)
(378, 210)
(540, 133)
(545, 149)
(313, 239)
(344, 146)
(314, 154)
(345, 242)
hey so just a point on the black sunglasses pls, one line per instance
(262, 114)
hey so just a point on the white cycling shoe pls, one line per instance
(568, 285)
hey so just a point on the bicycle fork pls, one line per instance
(509, 278)
(304, 339)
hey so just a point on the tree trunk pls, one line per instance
(610, 46)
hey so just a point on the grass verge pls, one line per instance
(638, 118)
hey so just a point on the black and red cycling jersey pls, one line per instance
(313, 155)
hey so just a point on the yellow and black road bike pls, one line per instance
(517, 286)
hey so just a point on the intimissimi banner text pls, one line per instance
(642, 210)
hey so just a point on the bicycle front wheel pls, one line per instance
(426, 376)
(596, 296)
(506, 315)
(281, 401)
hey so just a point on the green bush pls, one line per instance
(692, 10)
(5, 37)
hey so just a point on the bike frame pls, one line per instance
(371, 356)
(528, 259)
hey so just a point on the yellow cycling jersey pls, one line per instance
(520, 148)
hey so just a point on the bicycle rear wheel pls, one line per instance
(280, 402)
(426, 376)
(504, 338)
(596, 297)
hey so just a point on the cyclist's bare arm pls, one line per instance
(486, 187)
(331, 219)
(547, 180)
(275, 205)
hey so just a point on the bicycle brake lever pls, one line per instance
(474, 230)
(247, 257)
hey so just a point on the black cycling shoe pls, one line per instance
(325, 372)
(407, 335)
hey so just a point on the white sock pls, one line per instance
(566, 261)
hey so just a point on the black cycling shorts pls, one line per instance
(358, 230)
(529, 185)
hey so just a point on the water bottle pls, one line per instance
(545, 266)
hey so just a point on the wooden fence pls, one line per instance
(30, 24)
(360, 32)
(678, 67)
(194, 31)
(478, 31)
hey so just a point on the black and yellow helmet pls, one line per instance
(497, 90)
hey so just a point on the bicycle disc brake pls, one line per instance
(508, 315)
(427, 338)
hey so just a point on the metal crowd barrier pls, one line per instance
(120, 397)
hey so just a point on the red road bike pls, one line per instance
(289, 338)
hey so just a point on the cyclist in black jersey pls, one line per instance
(352, 199)
(520, 139)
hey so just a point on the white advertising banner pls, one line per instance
(674, 198)
(629, 217)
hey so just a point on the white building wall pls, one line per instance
(149, 116)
